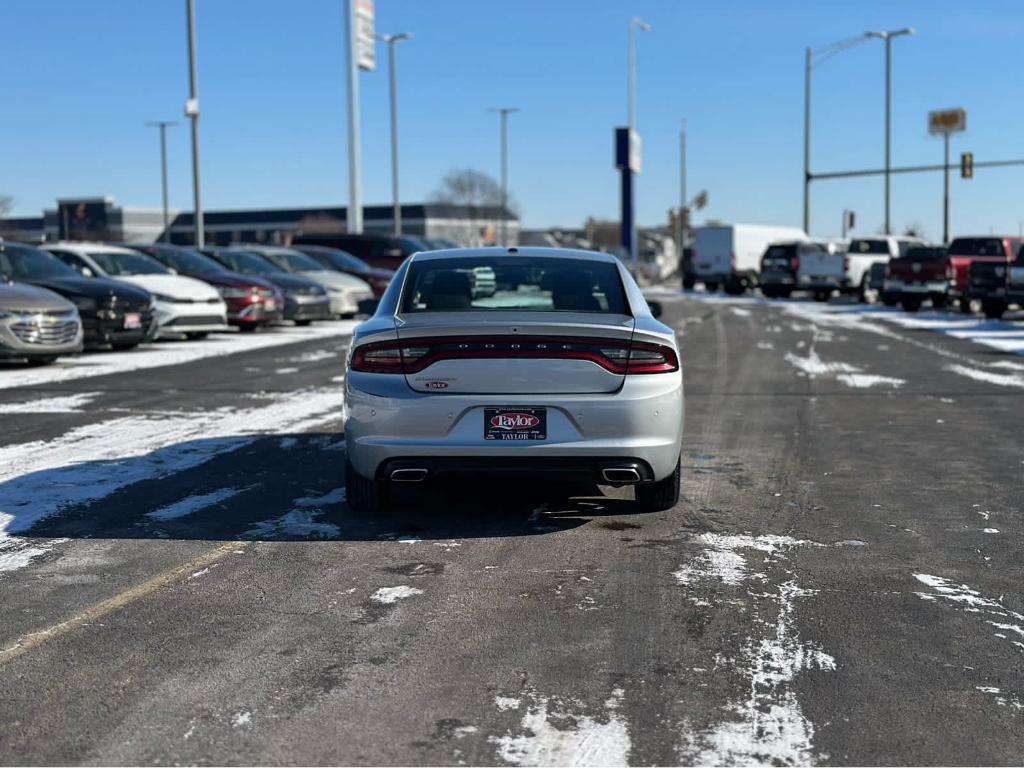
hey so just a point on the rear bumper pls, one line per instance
(388, 421)
(927, 288)
(565, 469)
(775, 279)
(305, 307)
(821, 282)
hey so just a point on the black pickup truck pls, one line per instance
(996, 285)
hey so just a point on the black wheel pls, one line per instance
(785, 292)
(196, 335)
(770, 293)
(965, 307)
(42, 360)
(124, 347)
(660, 495)
(364, 495)
(303, 323)
(939, 302)
(711, 287)
(688, 282)
(993, 309)
(911, 304)
(890, 301)
(735, 287)
(821, 295)
(863, 292)
(248, 328)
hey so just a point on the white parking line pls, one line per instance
(168, 353)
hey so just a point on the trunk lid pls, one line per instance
(911, 269)
(516, 353)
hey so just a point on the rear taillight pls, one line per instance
(794, 263)
(621, 357)
(846, 263)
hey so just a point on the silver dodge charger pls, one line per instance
(562, 372)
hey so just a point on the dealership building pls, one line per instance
(98, 218)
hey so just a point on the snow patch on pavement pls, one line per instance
(389, 595)
(170, 353)
(550, 734)
(867, 380)
(192, 504)
(61, 404)
(972, 602)
(721, 561)
(303, 521)
(739, 312)
(989, 377)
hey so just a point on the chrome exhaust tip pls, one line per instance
(621, 475)
(409, 475)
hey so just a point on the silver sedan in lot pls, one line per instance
(37, 324)
(562, 372)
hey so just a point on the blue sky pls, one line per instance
(81, 79)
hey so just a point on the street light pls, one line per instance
(391, 40)
(887, 37)
(504, 112)
(162, 125)
(192, 112)
(634, 23)
(812, 59)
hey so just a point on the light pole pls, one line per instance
(192, 112)
(812, 59)
(634, 23)
(681, 219)
(354, 212)
(162, 125)
(392, 77)
(504, 112)
(887, 37)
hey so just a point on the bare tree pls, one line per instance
(471, 188)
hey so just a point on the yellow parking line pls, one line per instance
(99, 610)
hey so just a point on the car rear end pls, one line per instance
(779, 267)
(923, 273)
(568, 375)
(1015, 280)
(965, 251)
(713, 255)
(822, 270)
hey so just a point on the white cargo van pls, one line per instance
(729, 255)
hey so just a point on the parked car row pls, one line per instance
(61, 298)
(985, 272)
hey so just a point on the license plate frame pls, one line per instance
(132, 321)
(517, 423)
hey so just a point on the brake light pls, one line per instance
(794, 263)
(846, 263)
(732, 259)
(615, 356)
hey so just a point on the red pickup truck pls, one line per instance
(964, 251)
(923, 272)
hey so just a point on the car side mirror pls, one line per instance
(172, 270)
(368, 306)
(656, 309)
(86, 272)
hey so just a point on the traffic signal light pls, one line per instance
(966, 165)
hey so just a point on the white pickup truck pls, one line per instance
(877, 249)
(729, 255)
(823, 270)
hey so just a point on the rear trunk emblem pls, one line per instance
(514, 421)
(436, 385)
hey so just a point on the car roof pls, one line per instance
(531, 252)
(88, 248)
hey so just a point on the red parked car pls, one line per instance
(964, 251)
(252, 301)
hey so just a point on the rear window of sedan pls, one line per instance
(514, 284)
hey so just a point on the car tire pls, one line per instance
(965, 307)
(993, 309)
(364, 495)
(42, 360)
(196, 335)
(124, 347)
(688, 282)
(303, 323)
(769, 293)
(939, 302)
(862, 292)
(660, 495)
(711, 287)
(821, 296)
(890, 301)
(785, 293)
(910, 305)
(735, 287)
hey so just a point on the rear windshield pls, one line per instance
(247, 263)
(187, 261)
(294, 261)
(977, 246)
(869, 246)
(514, 283)
(779, 252)
(926, 253)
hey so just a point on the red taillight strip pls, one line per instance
(532, 347)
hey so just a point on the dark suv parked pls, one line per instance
(113, 313)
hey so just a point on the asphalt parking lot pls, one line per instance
(182, 581)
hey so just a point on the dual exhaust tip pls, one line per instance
(611, 475)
